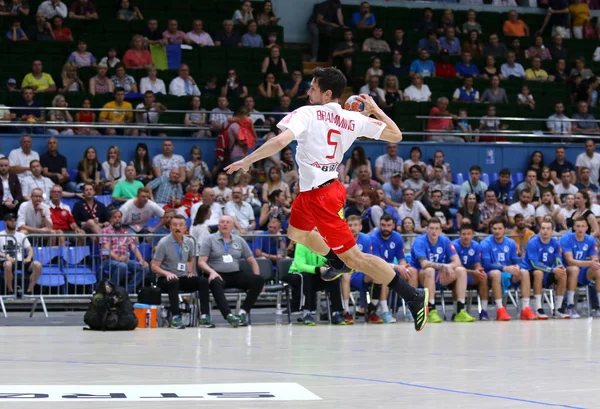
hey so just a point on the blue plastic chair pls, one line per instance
(106, 200)
(495, 177)
(485, 178)
(153, 222)
(52, 275)
(75, 272)
(69, 201)
(458, 178)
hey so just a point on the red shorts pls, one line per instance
(323, 208)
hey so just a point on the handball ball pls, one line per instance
(353, 104)
(31, 118)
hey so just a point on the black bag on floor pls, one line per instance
(149, 295)
(110, 309)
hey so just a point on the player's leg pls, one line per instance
(525, 284)
(384, 311)
(484, 293)
(538, 280)
(495, 277)
(561, 287)
(573, 273)
(593, 273)
(427, 280)
(35, 270)
(460, 287)
(375, 293)
(8, 276)
(346, 298)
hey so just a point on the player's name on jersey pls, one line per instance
(335, 119)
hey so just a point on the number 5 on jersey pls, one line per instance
(331, 142)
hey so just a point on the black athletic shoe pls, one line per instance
(420, 309)
(332, 273)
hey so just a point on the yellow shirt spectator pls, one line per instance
(536, 75)
(41, 84)
(579, 14)
(117, 116)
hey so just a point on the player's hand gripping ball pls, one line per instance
(353, 104)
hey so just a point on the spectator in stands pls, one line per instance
(169, 189)
(21, 158)
(558, 123)
(113, 168)
(465, 67)
(557, 49)
(137, 56)
(580, 13)
(296, 87)
(514, 26)
(586, 122)
(469, 212)
(520, 234)
(51, 8)
(16, 8)
(90, 214)
(466, 93)
(565, 187)
(123, 80)
(444, 67)
(111, 59)
(83, 10)
(395, 68)
(152, 83)
(430, 43)
(89, 169)
(175, 36)
(536, 72)
(473, 185)
(38, 80)
(148, 113)
(345, 51)
(10, 189)
(439, 183)
(184, 84)
(489, 69)
(16, 33)
(41, 30)
(116, 259)
(490, 123)
(62, 219)
(544, 182)
(266, 17)
(393, 189)
(581, 69)
(272, 248)
(427, 23)
(274, 63)
(495, 48)
(243, 15)
(61, 33)
(61, 116)
(442, 125)
(399, 43)
(538, 49)
(583, 205)
(81, 57)
(220, 114)
(417, 92)
(197, 169)
(233, 88)
(228, 37)
(557, 18)
(69, 81)
(152, 34)
(251, 38)
(198, 35)
(118, 112)
(34, 215)
(502, 187)
(141, 163)
(12, 255)
(525, 97)
(590, 159)
(209, 199)
(414, 209)
(450, 42)
(129, 13)
(54, 166)
(415, 159)
(362, 183)
(495, 94)
(176, 271)
(560, 73)
(363, 19)
(137, 212)
(200, 227)
(36, 180)
(512, 69)
(166, 161)
(219, 256)
(423, 66)
(85, 116)
(585, 182)
(523, 207)
(472, 46)
(374, 69)
(417, 183)
(392, 92)
(355, 161)
(326, 16)
(536, 163)
(29, 110)
(127, 188)
(376, 43)
(196, 118)
(491, 209)
(588, 91)
(515, 46)
(241, 212)
(372, 89)
(100, 83)
(530, 183)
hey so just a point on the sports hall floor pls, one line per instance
(554, 364)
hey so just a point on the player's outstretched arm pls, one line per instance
(271, 147)
(391, 133)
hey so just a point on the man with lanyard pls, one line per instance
(469, 253)
(543, 260)
(580, 253)
(473, 185)
(386, 243)
(219, 257)
(435, 257)
(501, 263)
(173, 262)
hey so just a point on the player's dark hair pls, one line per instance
(434, 220)
(414, 167)
(580, 219)
(475, 167)
(387, 218)
(355, 218)
(564, 171)
(330, 79)
(437, 191)
(465, 226)
(519, 216)
(505, 172)
(495, 221)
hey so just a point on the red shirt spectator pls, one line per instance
(62, 219)
(441, 124)
(444, 70)
(60, 33)
(136, 56)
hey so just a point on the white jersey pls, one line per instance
(324, 133)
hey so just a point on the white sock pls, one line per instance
(484, 305)
(570, 297)
(346, 305)
(498, 303)
(383, 306)
(461, 300)
(374, 302)
(203, 316)
(243, 311)
(525, 302)
(538, 301)
(559, 301)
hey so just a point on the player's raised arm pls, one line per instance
(391, 133)
(269, 148)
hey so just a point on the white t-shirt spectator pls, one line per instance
(418, 95)
(201, 39)
(216, 211)
(414, 213)
(379, 92)
(8, 245)
(583, 160)
(166, 164)
(27, 215)
(181, 87)
(149, 116)
(49, 10)
(43, 183)
(17, 157)
(561, 191)
(244, 215)
(542, 210)
(116, 173)
(158, 86)
(516, 208)
(134, 215)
